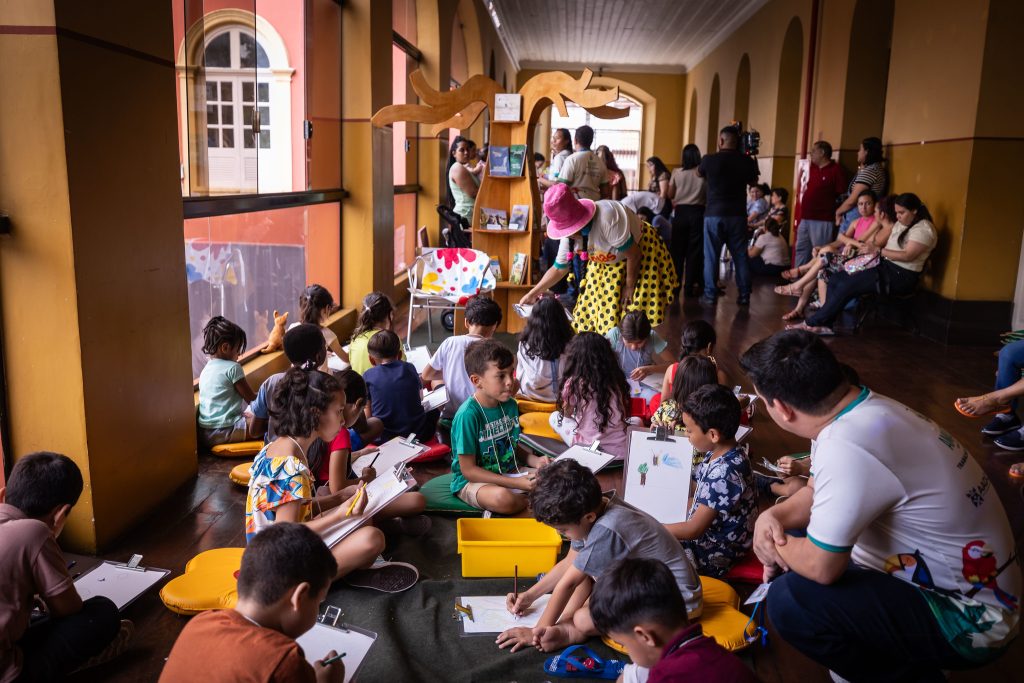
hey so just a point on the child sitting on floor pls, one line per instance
(394, 387)
(692, 373)
(698, 339)
(404, 514)
(42, 489)
(378, 314)
(638, 604)
(285, 574)
(315, 305)
(307, 405)
(719, 527)
(483, 316)
(541, 355)
(485, 435)
(223, 389)
(594, 401)
(601, 531)
(640, 351)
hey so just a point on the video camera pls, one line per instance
(750, 141)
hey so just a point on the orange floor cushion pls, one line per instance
(721, 618)
(239, 474)
(209, 582)
(435, 451)
(537, 424)
(242, 449)
(527, 405)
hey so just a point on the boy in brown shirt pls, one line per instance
(33, 508)
(286, 571)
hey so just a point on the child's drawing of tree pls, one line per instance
(643, 469)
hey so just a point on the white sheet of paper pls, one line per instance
(334, 362)
(759, 594)
(525, 311)
(436, 398)
(381, 491)
(654, 380)
(321, 639)
(595, 461)
(657, 476)
(419, 356)
(117, 583)
(392, 453)
(742, 433)
(491, 616)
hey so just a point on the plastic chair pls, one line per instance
(443, 279)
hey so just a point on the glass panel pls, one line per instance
(263, 91)
(244, 266)
(264, 116)
(264, 139)
(211, 114)
(225, 91)
(248, 139)
(323, 95)
(218, 52)
(211, 91)
(405, 144)
(228, 137)
(211, 137)
(262, 61)
(247, 91)
(227, 114)
(403, 19)
(247, 51)
(405, 231)
(247, 116)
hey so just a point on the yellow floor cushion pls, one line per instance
(537, 424)
(721, 619)
(240, 473)
(527, 405)
(242, 449)
(209, 582)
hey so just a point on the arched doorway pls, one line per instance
(867, 76)
(787, 106)
(622, 136)
(741, 105)
(691, 133)
(713, 117)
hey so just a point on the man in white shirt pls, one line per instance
(908, 566)
(584, 171)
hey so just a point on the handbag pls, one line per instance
(860, 262)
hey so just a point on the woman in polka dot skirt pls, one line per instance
(628, 268)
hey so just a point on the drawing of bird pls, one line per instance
(911, 567)
(980, 570)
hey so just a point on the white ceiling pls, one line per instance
(618, 35)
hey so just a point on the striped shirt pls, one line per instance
(874, 176)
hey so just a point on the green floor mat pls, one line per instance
(439, 497)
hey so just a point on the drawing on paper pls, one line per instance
(643, 473)
(491, 616)
(658, 476)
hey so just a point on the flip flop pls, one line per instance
(785, 290)
(956, 404)
(569, 665)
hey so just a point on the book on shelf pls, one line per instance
(508, 107)
(517, 272)
(497, 161)
(516, 160)
(520, 217)
(496, 268)
(493, 219)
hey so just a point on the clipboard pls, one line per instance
(388, 485)
(435, 399)
(419, 356)
(590, 456)
(525, 310)
(657, 474)
(654, 380)
(390, 455)
(327, 634)
(122, 582)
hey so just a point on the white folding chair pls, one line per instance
(443, 279)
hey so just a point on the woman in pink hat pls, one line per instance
(628, 268)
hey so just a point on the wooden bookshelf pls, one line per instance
(460, 108)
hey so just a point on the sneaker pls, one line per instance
(1011, 441)
(1001, 423)
(836, 678)
(116, 647)
(383, 576)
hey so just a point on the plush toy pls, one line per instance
(275, 341)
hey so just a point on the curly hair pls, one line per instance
(219, 331)
(592, 373)
(564, 492)
(692, 373)
(547, 330)
(377, 308)
(697, 336)
(313, 302)
(300, 399)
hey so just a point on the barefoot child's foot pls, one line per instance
(558, 637)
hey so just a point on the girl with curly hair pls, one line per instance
(593, 400)
(541, 355)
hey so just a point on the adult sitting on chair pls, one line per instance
(908, 566)
(901, 261)
(629, 266)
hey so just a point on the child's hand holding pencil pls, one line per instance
(330, 669)
(357, 503)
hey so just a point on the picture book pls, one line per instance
(497, 163)
(516, 159)
(493, 219)
(520, 217)
(508, 107)
(657, 475)
(517, 273)
(496, 268)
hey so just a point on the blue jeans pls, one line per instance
(731, 231)
(867, 626)
(812, 234)
(1011, 360)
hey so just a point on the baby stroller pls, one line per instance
(455, 230)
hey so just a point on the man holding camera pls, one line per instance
(728, 173)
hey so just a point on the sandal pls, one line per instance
(786, 290)
(793, 315)
(820, 331)
(570, 665)
(1017, 470)
(956, 404)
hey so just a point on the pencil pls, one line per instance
(332, 660)
(374, 459)
(355, 499)
(515, 585)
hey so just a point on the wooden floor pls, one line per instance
(208, 512)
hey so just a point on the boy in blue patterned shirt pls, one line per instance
(719, 528)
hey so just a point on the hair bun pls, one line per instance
(309, 365)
